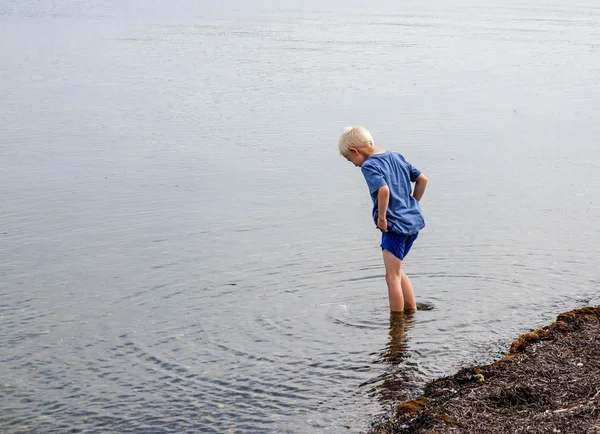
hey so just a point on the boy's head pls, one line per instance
(356, 144)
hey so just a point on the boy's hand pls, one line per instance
(382, 224)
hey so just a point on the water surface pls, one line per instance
(182, 248)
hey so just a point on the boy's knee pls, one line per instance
(392, 276)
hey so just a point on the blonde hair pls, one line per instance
(354, 137)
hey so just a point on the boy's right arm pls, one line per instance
(420, 185)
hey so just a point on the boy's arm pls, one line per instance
(420, 185)
(383, 199)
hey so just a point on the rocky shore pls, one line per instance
(549, 382)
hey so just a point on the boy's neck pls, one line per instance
(372, 150)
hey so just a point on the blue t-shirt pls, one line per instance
(390, 168)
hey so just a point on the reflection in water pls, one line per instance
(395, 349)
(395, 384)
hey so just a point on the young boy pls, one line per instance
(395, 211)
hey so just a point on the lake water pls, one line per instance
(181, 246)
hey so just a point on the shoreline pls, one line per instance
(548, 382)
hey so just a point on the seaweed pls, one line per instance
(548, 382)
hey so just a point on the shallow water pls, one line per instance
(182, 247)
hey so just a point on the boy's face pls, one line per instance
(355, 157)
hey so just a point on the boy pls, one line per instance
(395, 211)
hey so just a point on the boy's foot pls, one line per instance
(424, 306)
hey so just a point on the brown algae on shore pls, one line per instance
(548, 382)
(565, 322)
(412, 407)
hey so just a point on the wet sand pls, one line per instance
(549, 382)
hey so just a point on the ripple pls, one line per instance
(165, 274)
(344, 315)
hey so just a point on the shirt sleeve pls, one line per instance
(413, 171)
(373, 176)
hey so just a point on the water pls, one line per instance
(182, 248)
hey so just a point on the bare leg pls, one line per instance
(393, 278)
(408, 293)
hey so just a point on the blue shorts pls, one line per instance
(397, 244)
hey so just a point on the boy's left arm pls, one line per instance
(376, 182)
(383, 199)
(420, 185)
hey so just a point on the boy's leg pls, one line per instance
(408, 293)
(393, 278)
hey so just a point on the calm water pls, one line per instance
(181, 247)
